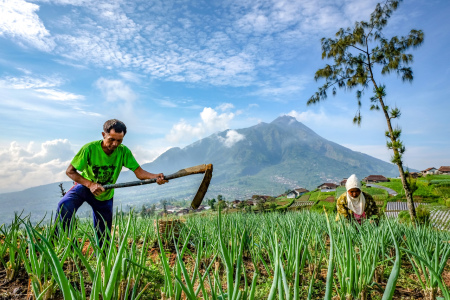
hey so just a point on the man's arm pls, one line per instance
(73, 174)
(142, 174)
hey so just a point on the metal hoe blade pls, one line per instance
(198, 198)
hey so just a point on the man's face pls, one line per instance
(354, 192)
(111, 140)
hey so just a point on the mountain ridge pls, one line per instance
(267, 158)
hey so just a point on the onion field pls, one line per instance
(293, 255)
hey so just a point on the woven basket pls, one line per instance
(166, 227)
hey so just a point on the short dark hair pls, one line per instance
(115, 124)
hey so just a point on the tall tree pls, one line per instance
(61, 188)
(143, 211)
(358, 53)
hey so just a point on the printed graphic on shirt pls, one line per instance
(104, 174)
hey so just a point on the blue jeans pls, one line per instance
(102, 210)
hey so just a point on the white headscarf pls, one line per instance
(355, 204)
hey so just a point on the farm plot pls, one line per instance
(302, 204)
(394, 208)
(439, 218)
(298, 255)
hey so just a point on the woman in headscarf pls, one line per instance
(355, 204)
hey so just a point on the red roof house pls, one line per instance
(375, 179)
(444, 170)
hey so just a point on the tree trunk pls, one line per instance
(399, 163)
(408, 194)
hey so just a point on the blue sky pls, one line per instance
(177, 71)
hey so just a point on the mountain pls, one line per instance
(267, 158)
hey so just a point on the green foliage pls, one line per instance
(222, 204)
(423, 214)
(211, 203)
(447, 202)
(422, 189)
(291, 201)
(403, 217)
(329, 207)
(324, 195)
(318, 195)
(375, 191)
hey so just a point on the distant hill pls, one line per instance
(267, 158)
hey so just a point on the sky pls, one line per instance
(176, 71)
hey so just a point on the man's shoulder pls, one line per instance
(92, 145)
(122, 148)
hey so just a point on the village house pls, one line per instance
(235, 203)
(414, 174)
(172, 209)
(327, 186)
(200, 208)
(295, 193)
(343, 182)
(375, 179)
(182, 212)
(261, 198)
(429, 171)
(445, 170)
(250, 203)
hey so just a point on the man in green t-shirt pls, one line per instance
(96, 164)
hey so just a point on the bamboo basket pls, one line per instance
(166, 226)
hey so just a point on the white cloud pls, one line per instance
(19, 21)
(225, 106)
(283, 88)
(182, 131)
(214, 121)
(211, 122)
(27, 166)
(115, 90)
(28, 82)
(234, 46)
(130, 76)
(57, 95)
(42, 95)
(231, 138)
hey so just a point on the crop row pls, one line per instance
(231, 256)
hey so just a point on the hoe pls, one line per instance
(200, 169)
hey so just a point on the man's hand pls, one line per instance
(160, 179)
(142, 174)
(96, 188)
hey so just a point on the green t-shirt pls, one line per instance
(95, 165)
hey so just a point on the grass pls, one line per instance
(318, 195)
(215, 255)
